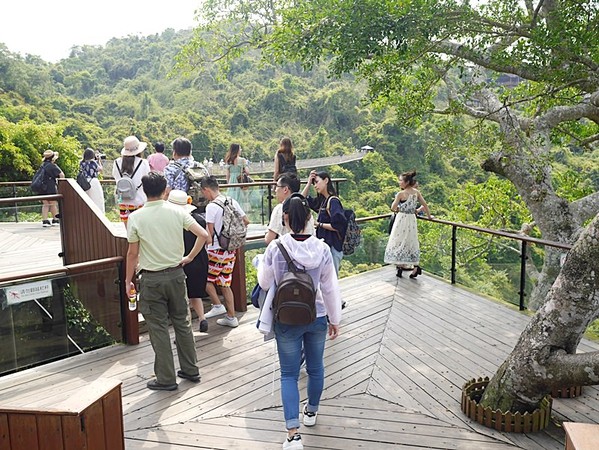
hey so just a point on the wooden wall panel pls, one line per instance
(23, 432)
(94, 427)
(4, 432)
(112, 408)
(49, 432)
(72, 433)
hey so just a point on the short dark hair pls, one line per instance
(89, 154)
(209, 182)
(182, 146)
(298, 210)
(154, 184)
(290, 180)
(159, 147)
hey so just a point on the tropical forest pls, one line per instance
(455, 120)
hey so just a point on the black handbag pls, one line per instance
(82, 181)
(391, 222)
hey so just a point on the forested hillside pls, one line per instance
(99, 95)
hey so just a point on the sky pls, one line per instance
(49, 28)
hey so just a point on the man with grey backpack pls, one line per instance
(226, 224)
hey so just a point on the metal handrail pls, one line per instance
(524, 240)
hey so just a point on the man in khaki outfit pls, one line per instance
(156, 243)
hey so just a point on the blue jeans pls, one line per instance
(290, 339)
(337, 257)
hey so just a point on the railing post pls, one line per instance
(14, 194)
(523, 259)
(454, 240)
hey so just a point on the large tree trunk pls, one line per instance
(523, 163)
(545, 355)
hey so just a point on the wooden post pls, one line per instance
(238, 282)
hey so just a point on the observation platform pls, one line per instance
(393, 377)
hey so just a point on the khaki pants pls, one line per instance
(162, 296)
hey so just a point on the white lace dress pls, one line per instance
(403, 248)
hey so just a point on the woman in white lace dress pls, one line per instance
(403, 248)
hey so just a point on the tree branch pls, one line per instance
(585, 208)
(559, 114)
(463, 52)
(580, 369)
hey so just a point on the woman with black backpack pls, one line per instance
(310, 255)
(331, 223)
(49, 173)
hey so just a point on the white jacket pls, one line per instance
(311, 254)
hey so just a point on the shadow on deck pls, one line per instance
(393, 378)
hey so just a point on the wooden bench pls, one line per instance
(89, 417)
(581, 436)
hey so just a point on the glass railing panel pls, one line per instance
(253, 200)
(22, 212)
(55, 317)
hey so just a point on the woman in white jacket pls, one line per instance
(314, 256)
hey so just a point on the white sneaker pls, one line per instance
(228, 322)
(293, 443)
(216, 310)
(309, 417)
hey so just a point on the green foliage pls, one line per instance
(135, 85)
(22, 145)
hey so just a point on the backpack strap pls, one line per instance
(119, 169)
(135, 170)
(222, 205)
(290, 264)
(133, 174)
(180, 166)
(328, 206)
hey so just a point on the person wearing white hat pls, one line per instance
(134, 166)
(197, 270)
(52, 172)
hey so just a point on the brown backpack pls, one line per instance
(295, 295)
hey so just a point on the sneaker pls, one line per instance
(309, 417)
(55, 221)
(46, 223)
(216, 310)
(194, 378)
(156, 386)
(203, 326)
(293, 443)
(228, 322)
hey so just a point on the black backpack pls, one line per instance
(39, 183)
(294, 302)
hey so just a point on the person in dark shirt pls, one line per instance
(52, 172)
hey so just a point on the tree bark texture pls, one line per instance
(545, 355)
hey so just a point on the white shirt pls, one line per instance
(214, 215)
(276, 223)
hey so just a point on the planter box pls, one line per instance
(91, 418)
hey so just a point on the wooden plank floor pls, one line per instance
(393, 378)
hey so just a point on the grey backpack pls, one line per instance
(125, 187)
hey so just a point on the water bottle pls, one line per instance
(132, 300)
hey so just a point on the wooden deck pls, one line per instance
(393, 378)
